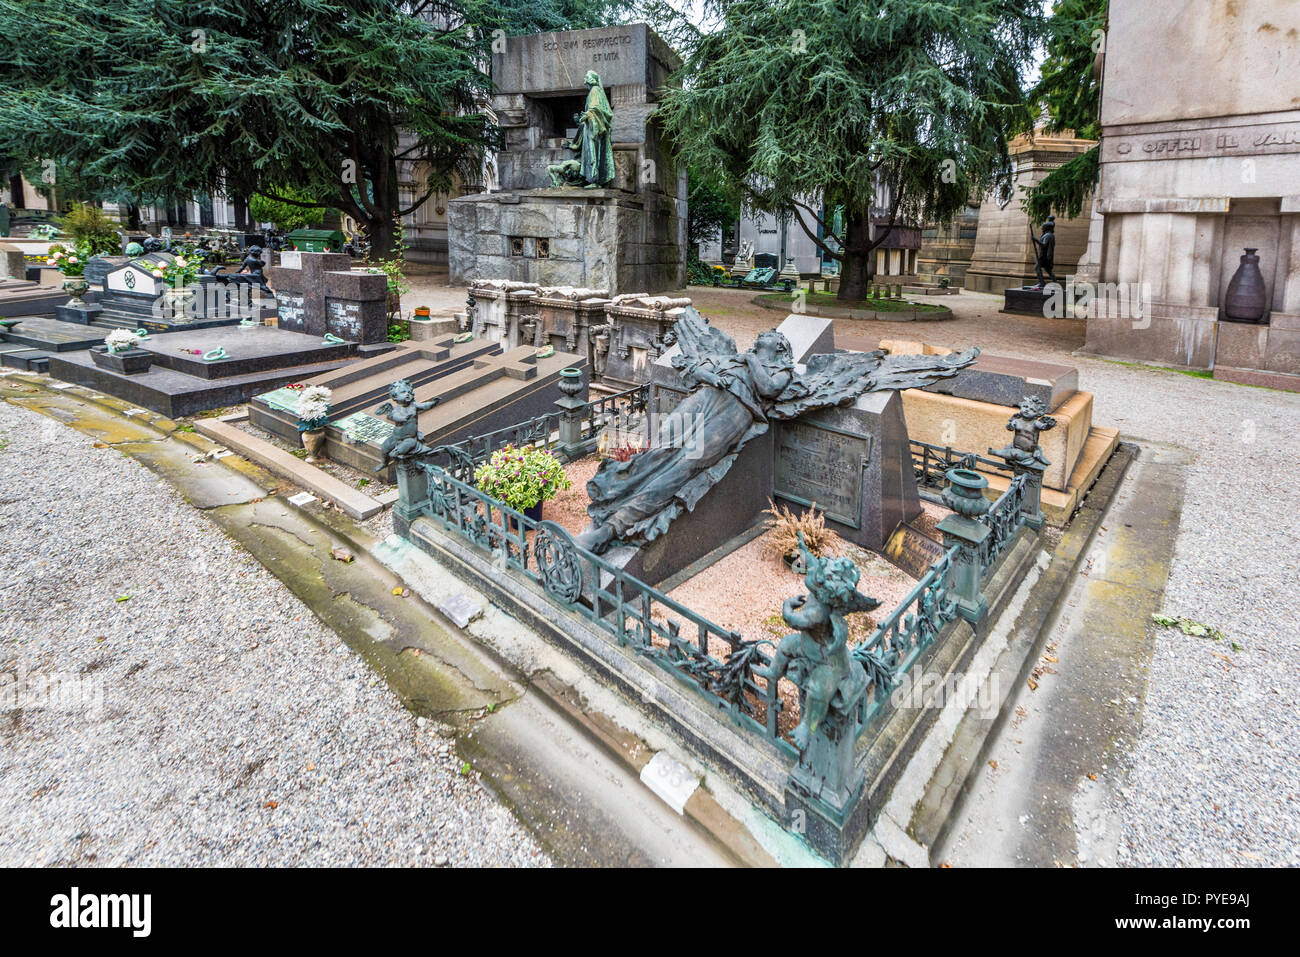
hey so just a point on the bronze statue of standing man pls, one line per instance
(1044, 251)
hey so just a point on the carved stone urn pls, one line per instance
(1247, 297)
(75, 287)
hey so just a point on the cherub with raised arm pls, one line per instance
(404, 412)
(1027, 423)
(816, 656)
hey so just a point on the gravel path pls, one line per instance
(208, 720)
(1215, 776)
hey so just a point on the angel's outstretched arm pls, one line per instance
(768, 385)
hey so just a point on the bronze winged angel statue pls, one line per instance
(734, 395)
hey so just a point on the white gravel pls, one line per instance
(210, 719)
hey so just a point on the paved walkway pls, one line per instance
(1214, 776)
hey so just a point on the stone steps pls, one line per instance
(29, 360)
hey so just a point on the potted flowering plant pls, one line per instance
(121, 352)
(522, 478)
(313, 410)
(71, 262)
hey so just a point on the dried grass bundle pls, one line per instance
(784, 526)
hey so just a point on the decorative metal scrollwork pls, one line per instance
(462, 463)
(558, 564)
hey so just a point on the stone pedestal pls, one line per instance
(1028, 300)
(595, 238)
(1003, 254)
(83, 315)
(637, 327)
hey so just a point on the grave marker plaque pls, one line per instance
(815, 464)
(912, 551)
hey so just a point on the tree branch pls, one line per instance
(287, 201)
(830, 252)
(418, 203)
(820, 222)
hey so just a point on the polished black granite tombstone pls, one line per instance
(51, 335)
(19, 297)
(1003, 380)
(181, 381)
(29, 360)
(248, 350)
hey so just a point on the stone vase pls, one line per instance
(126, 362)
(177, 302)
(313, 440)
(1247, 296)
(75, 287)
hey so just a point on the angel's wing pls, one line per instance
(839, 378)
(699, 340)
(914, 372)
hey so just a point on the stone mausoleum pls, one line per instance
(1200, 162)
(627, 236)
(1003, 253)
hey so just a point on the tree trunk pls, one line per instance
(383, 237)
(855, 269)
(383, 226)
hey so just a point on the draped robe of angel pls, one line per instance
(734, 395)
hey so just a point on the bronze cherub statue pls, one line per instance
(816, 656)
(403, 411)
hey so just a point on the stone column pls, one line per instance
(965, 496)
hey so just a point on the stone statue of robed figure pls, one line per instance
(733, 397)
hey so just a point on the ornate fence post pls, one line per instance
(571, 408)
(412, 493)
(826, 784)
(965, 496)
(1024, 456)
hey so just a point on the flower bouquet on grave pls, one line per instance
(179, 278)
(313, 411)
(120, 340)
(522, 478)
(121, 352)
(71, 262)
